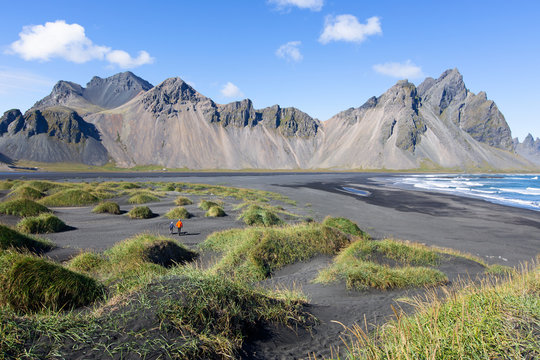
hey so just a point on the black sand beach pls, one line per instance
(496, 233)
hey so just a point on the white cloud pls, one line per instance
(313, 5)
(347, 28)
(69, 42)
(406, 70)
(124, 60)
(290, 51)
(231, 91)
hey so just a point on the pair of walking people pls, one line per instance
(178, 225)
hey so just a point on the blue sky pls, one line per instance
(321, 56)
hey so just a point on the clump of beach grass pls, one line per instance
(255, 215)
(182, 200)
(26, 192)
(10, 238)
(493, 319)
(215, 211)
(108, 207)
(30, 284)
(142, 197)
(345, 225)
(22, 208)
(178, 212)
(255, 253)
(364, 264)
(41, 224)
(140, 212)
(87, 262)
(207, 204)
(70, 197)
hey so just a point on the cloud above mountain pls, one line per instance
(399, 70)
(69, 42)
(313, 5)
(290, 51)
(229, 90)
(347, 28)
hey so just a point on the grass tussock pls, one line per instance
(70, 197)
(108, 207)
(182, 200)
(30, 284)
(12, 239)
(491, 320)
(345, 225)
(87, 262)
(255, 215)
(41, 224)
(140, 212)
(7, 184)
(384, 264)
(179, 212)
(207, 204)
(26, 192)
(215, 211)
(236, 193)
(254, 253)
(22, 208)
(142, 198)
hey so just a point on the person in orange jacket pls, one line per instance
(179, 226)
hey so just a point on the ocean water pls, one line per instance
(507, 189)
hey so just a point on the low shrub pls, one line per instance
(30, 284)
(215, 211)
(255, 215)
(108, 207)
(254, 253)
(70, 197)
(10, 238)
(22, 207)
(41, 224)
(182, 200)
(345, 225)
(206, 205)
(178, 213)
(140, 212)
(86, 262)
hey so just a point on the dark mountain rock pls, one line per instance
(169, 92)
(238, 113)
(116, 90)
(13, 116)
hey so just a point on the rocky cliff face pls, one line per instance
(440, 123)
(529, 149)
(56, 134)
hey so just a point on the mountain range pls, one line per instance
(125, 120)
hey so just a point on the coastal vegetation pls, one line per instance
(41, 224)
(255, 215)
(140, 212)
(178, 212)
(108, 207)
(12, 239)
(22, 207)
(215, 211)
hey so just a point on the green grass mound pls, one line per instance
(182, 200)
(142, 198)
(178, 213)
(30, 284)
(206, 205)
(491, 320)
(345, 225)
(41, 224)
(87, 262)
(7, 184)
(383, 265)
(70, 197)
(46, 186)
(107, 207)
(158, 250)
(255, 215)
(22, 207)
(255, 253)
(215, 211)
(26, 192)
(140, 212)
(10, 238)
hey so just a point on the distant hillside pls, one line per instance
(439, 124)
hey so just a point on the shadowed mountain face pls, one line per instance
(437, 124)
(56, 134)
